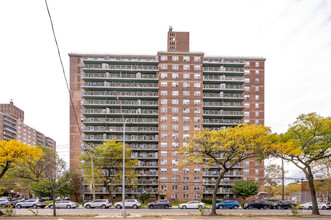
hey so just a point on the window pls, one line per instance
(186, 58)
(186, 101)
(186, 187)
(175, 101)
(197, 76)
(175, 127)
(175, 136)
(196, 188)
(186, 84)
(257, 64)
(175, 66)
(186, 119)
(197, 110)
(163, 179)
(186, 75)
(174, 154)
(257, 89)
(164, 118)
(163, 170)
(247, 63)
(164, 92)
(257, 72)
(257, 163)
(164, 101)
(164, 144)
(246, 88)
(197, 102)
(163, 162)
(256, 171)
(196, 196)
(164, 66)
(197, 93)
(246, 97)
(246, 72)
(186, 67)
(196, 179)
(186, 127)
(175, 110)
(164, 84)
(186, 136)
(186, 170)
(174, 196)
(186, 110)
(197, 67)
(175, 58)
(246, 163)
(175, 162)
(175, 84)
(246, 114)
(257, 122)
(164, 136)
(164, 127)
(164, 75)
(175, 75)
(174, 170)
(175, 93)
(197, 85)
(163, 187)
(175, 119)
(257, 97)
(257, 114)
(246, 172)
(163, 110)
(196, 170)
(257, 81)
(163, 153)
(164, 58)
(196, 119)
(246, 105)
(256, 179)
(175, 145)
(247, 80)
(175, 179)
(186, 93)
(197, 59)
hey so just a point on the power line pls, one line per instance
(63, 71)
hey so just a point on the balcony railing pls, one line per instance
(216, 173)
(223, 60)
(124, 111)
(122, 58)
(222, 95)
(222, 113)
(105, 66)
(221, 121)
(120, 94)
(120, 120)
(120, 129)
(223, 104)
(122, 103)
(121, 85)
(222, 78)
(221, 87)
(119, 76)
(147, 147)
(223, 69)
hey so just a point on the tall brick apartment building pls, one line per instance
(12, 127)
(166, 97)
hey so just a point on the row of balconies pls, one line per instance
(123, 111)
(223, 78)
(102, 138)
(223, 69)
(222, 113)
(106, 66)
(222, 121)
(220, 191)
(122, 103)
(223, 95)
(120, 76)
(120, 85)
(120, 129)
(220, 60)
(147, 173)
(145, 147)
(223, 104)
(122, 58)
(216, 173)
(119, 191)
(223, 87)
(120, 120)
(136, 155)
(121, 94)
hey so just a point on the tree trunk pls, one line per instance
(310, 179)
(217, 185)
(4, 170)
(54, 208)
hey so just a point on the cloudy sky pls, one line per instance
(294, 37)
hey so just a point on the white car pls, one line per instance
(191, 205)
(130, 203)
(309, 206)
(64, 204)
(99, 203)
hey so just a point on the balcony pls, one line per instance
(228, 174)
(147, 173)
(220, 191)
(121, 59)
(118, 112)
(140, 138)
(144, 165)
(123, 103)
(223, 96)
(223, 78)
(144, 156)
(224, 105)
(119, 86)
(128, 130)
(120, 95)
(225, 61)
(223, 87)
(119, 121)
(93, 77)
(221, 122)
(115, 68)
(220, 113)
(225, 70)
(145, 148)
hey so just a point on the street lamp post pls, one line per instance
(123, 178)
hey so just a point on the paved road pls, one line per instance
(172, 211)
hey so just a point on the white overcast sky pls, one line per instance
(294, 37)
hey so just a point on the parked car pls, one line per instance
(99, 203)
(162, 203)
(64, 204)
(328, 207)
(232, 204)
(191, 205)
(309, 206)
(283, 204)
(259, 204)
(5, 203)
(130, 203)
(34, 203)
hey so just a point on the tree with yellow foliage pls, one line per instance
(307, 141)
(12, 152)
(226, 148)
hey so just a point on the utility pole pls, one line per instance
(92, 169)
(283, 186)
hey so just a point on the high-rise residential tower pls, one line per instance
(165, 97)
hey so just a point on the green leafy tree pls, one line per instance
(108, 166)
(72, 186)
(226, 148)
(144, 196)
(307, 141)
(245, 189)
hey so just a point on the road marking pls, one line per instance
(168, 218)
(60, 219)
(273, 218)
